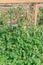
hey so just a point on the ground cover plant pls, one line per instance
(21, 45)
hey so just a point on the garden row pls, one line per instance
(21, 45)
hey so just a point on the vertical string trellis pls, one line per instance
(11, 12)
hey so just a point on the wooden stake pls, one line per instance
(36, 13)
